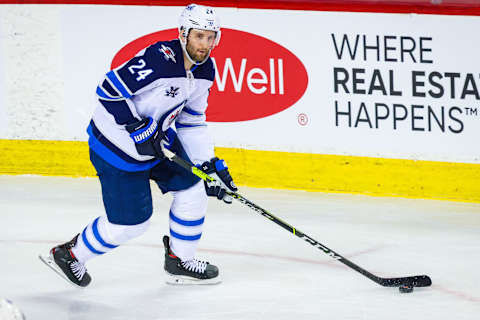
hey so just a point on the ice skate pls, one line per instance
(63, 262)
(188, 272)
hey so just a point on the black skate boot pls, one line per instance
(188, 272)
(63, 262)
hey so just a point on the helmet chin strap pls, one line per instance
(184, 47)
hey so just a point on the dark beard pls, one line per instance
(194, 56)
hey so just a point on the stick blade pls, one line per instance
(415, 281)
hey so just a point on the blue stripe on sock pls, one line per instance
(89, 246)
(186, 222)
(183, 237)
(99, 238)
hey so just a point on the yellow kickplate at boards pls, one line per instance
(280, 170)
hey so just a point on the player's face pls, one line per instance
(199, 43)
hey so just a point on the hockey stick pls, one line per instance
(412, 281)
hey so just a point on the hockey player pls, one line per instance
(154, 101)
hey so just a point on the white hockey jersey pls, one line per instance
(154, 83)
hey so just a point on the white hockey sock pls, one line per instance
(187, 215)
(101, 236)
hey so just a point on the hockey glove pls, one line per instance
(218, 170)
(148, 139)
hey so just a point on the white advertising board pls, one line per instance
(382, 85)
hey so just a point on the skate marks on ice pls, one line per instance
(267, 273)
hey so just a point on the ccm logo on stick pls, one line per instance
(255, 77)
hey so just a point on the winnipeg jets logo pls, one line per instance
(172, 92)
(168, 53)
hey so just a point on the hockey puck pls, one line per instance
(405, 288)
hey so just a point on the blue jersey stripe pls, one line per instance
(192, 112)
(115, 160)
(116, 82)
(183, 125)
(93, 131)
(187, 223)
(183, 237)
(108, 89)
(120, 111)
(98, 237)
(103, 95)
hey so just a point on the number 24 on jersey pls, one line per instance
(137, 68)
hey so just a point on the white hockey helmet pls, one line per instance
(196, 16)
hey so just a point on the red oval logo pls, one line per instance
(255, 76)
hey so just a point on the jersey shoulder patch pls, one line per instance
(167, 59)
(161, 60)
(205, 71)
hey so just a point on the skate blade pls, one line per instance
(48, 260)
(177, 280)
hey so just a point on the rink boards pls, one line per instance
(270, 169)
(344, 108)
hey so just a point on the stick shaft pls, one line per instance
(418, 281)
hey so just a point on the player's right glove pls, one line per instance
(218, 170)
(148, 139)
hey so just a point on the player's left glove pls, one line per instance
(217, 169)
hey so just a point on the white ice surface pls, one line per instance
(267, 272)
